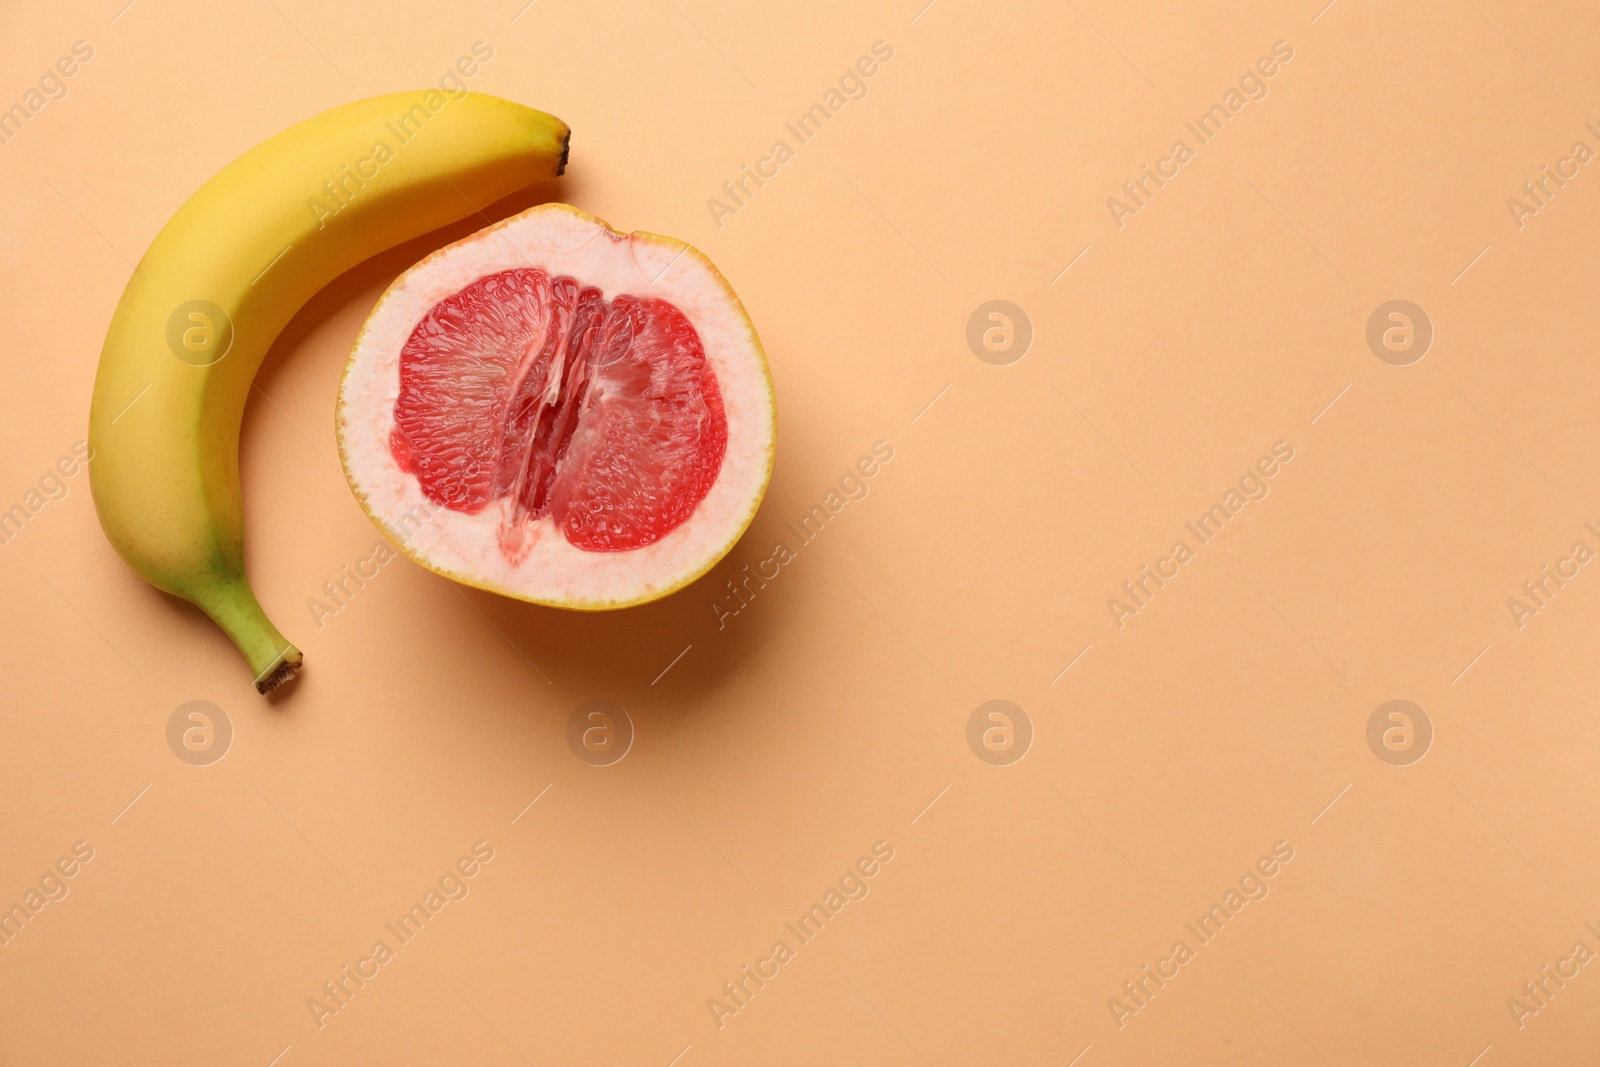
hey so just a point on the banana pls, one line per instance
(226, 274)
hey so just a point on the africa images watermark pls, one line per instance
(852, 85)
(341, 190)
(52, 486)
(452, 885)
(1252, 887)
(1538, 591)
(1252, 485)
(52, 86)
(852, 487)
(852, 886)
(51, 887)
(1252, 86)
(1537, 993)
(1537, 192)
(352, 578)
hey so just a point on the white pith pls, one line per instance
(562, 241)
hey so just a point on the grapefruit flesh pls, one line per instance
(537, 390)
(559, 412)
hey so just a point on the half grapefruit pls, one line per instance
(558, 412)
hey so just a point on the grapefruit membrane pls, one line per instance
(558, 412)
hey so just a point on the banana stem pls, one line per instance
(233, 607)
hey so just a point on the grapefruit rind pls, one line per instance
(463, 547)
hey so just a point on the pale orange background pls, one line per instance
(1224, 717)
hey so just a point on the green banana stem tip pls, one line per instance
(272, 659)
